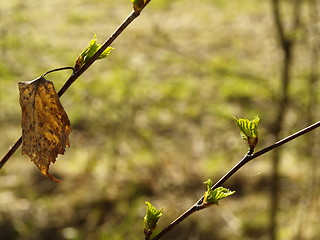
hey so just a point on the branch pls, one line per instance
(247, 158)
(104, 46)
(133, 15)
(278, 21)
(12, 150)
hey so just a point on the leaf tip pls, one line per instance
(46, 173)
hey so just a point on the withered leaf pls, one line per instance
(45, 124)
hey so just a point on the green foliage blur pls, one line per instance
(154, 120)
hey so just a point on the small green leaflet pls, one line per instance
(249, 130)
(213, 196)
(89, 51)
(151, 219)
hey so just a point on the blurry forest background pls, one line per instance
(154, 120)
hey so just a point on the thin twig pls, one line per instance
(59, 69)
(133, 15)
(247, 158)
(12, 150)
(104, 46)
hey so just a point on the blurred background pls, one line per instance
(154, 120)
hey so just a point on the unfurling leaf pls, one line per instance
(249, 130)
(151, 219)
(45, 124)
(213, 196)
(89, 51)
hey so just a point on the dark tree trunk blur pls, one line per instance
(286, 43)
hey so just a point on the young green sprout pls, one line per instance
(212, 197)
(249, 131)
(89, 51)
(151, 219)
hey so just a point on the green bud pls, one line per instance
(249, 130)
(213, 196)
(138, 5)
(89, 51)
(151, 219)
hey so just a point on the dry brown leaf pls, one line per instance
(45, 124)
